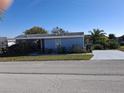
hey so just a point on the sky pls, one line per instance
(71, 15)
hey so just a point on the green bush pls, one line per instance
(21, 49)
(49, 51)
(113, 44)
(77, 49)
(61, 50)
(122, 43)
(88, 48)
(98, 47)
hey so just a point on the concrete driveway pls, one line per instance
(108, 55)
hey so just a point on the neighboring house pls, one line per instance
(121, 40)
(53, 41)
(3, 43)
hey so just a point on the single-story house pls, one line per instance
(53, 41)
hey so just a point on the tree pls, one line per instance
(36, 30)
(112, 36)
(96, 35)
(58, 30)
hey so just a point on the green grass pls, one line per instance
(121, 48)
(48, 57)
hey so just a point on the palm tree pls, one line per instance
(96, 35)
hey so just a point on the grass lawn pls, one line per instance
(48, 57)
(121, 48)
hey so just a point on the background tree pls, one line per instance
(96, 35)
(113, 42)
(112, 36)
(58, 30)
(36, 30)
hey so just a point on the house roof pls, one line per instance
(50, 36)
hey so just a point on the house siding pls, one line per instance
(65, 42)
(49, 44)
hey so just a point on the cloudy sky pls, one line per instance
(72, 15)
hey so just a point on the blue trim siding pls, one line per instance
(49, 44)
(69, 42)
(65, 42)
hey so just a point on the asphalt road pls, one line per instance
(62, 77)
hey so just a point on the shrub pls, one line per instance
(49, 51)
(88, 48)
(122, 43)
(77, 49)
(98, 47)
(61, 50)
(21, 49)
(113, 44)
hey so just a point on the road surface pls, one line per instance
(108, 55)
(62, 77)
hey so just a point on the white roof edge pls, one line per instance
(52, 37)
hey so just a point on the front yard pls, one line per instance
(48, 57)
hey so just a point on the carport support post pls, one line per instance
(42, 46)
